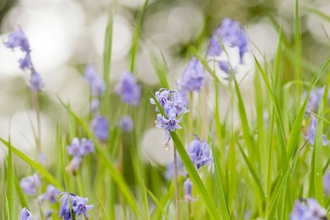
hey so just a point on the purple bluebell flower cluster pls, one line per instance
(310, 135)
(308, 209)
(173, 106)
(51, 194)
(128, 89)
(125, 123)
(228, 45)
(18, 39)
(78, 149)
(30, 184)
(78, 204)
(96, 83)
(193, 78)
(25, 215)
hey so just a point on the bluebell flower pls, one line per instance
(18, 39)
(125, 123)
(128, 89)
(73, 165)
(97, 84)
(169, 174)
(80, 207)
(100, 128)
(51, 194)
(95, 105)
(75, 149)
(25, 215)
(172, 123)
(310, 136)
(230, 50)
(87, 146)
(29, 184)
(193, 78)
(314, 99)
(199, 153)
(326, 184)
(78, 204)
(308, 209)
(187, 191)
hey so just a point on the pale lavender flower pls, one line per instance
(25, 215)
(231, 33)
(187, 191)
(18, 39)
(100, 128)
(326, 184)
(172, 123)
(125, 123)
(36, 82)
(193, 78)
(199, 153)
(95, 105)
(87, 146)
(73, 165)
(29, 184)
(97, 84)
(78, 205)
(310, 136)
(51, 194)
(225, 66)
(308, 209)
(169, 174)
(314, 99)
(128, 89)
(75, 149)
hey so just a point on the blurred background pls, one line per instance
(65, 35)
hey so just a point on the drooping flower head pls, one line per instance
(187, 191)
(75, 149)
(18, 39)
(193, 78)
(78, 204)
(29, 184)
(128, 89)
(199, 153)
(230, 50)
(125, 123)
(310, 136)
(25, 214)
(51, 194)
(308, 209)
(100, 128)
(97, 84)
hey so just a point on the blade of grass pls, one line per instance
(10, 182)
(145, 201)
(34, 164)
(159, 205)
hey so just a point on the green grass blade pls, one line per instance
(205, 196)
(145, 201)
(10, 182)
(161, 69)
(159, 205)
(34, 164)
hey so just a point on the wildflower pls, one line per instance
(78, 205)
(128, 89)
(29, 184)
(308, 209)
(51, 194)
(310, 136)
(125, 123)
(25, 215)
(170, 168)
(96, 83)
(326, 184)
(187, 190)
(193, 77)
(173, 106)
(199, 153)
(100, 128)
(18, 39)
(95, 105)
(73, 165)
(314, 99)
(74, 149)
(87, 146)
(230, 50)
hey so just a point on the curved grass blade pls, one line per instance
(34, 164)
(159, 205)
(11, 183)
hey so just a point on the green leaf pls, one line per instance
(159, 205)
(34, 164)
(11, 183)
